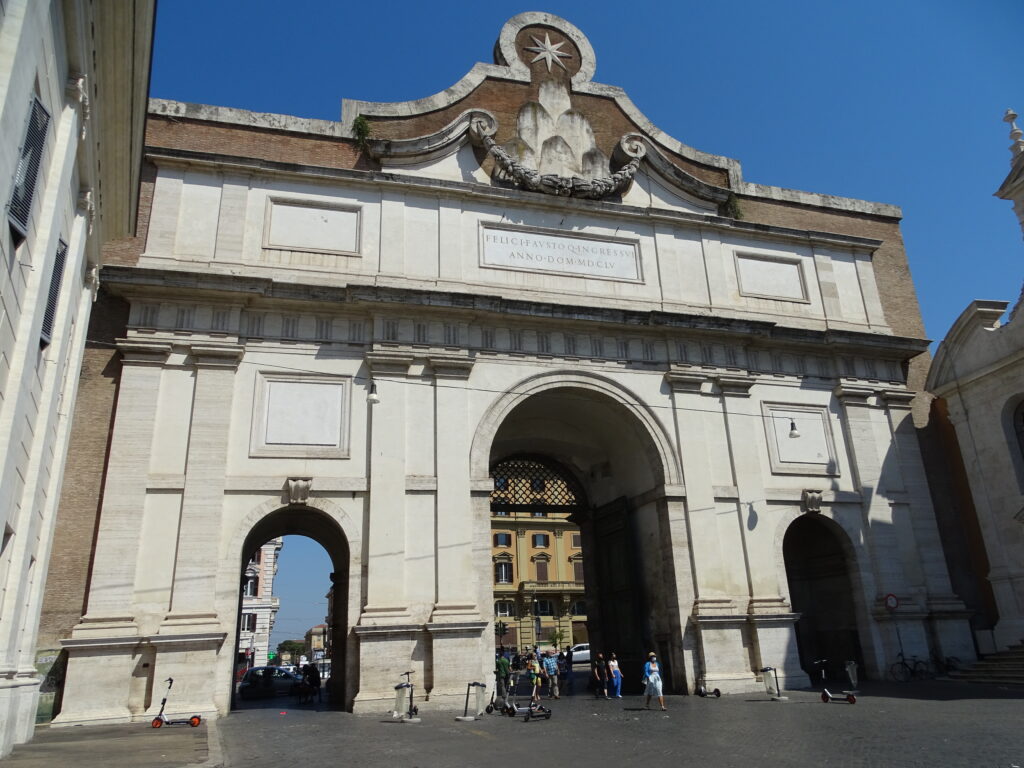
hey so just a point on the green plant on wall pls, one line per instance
(361, 131)
(731, 207)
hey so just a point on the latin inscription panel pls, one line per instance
(534, 250)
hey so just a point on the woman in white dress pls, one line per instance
(652, 677)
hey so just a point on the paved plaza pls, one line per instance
(917, 724)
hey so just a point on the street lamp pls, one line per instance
(793, 431)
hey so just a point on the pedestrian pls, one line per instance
(600, 674)
(568, 669)
(561, 670)
(551, 669)
(533, 666)
(312, 677)
(502, 673)
(652, 679)
(614, 676)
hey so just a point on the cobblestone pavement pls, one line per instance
(915, 724)
(134, 745)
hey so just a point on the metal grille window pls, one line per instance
(391, 330)
(220, 320)
(323, 328)
(544, 343)
(56, 278)
(526, 482)
(570, 344)
(451, 335)
(421, 333)
(30, 160)
(355, 331)
(290, 326)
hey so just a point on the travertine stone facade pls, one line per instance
(72, 82)
(343, 338)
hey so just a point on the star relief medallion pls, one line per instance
(548, 52)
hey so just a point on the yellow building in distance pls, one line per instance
(537, 554)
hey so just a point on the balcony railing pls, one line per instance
(550, 586)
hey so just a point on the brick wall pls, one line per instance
(67, 582)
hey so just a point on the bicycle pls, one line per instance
(904, 671)
(943, 666)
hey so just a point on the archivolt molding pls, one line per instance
(661, 446)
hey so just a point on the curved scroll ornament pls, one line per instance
(561, 186)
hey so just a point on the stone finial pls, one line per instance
(1016, 134)
(298, 489)
(810, 500)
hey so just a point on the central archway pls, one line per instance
(618, 454)
(300, 520)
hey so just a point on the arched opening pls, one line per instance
(818, 569)
(261, 547)
(580, 539)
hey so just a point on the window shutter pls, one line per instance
(542, 570)
(56, 277)
(29, 162)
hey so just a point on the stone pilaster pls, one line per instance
(193, 592)
(386, 597)
(454, 554)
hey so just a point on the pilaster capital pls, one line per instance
(143, 352)
(558, 533)
(216, 355)
(521, 533)
(451, 366)
(851, 394)
(898, 398)
(685, 380)
(383, 363)
(735, 386)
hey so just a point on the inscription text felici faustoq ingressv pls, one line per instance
(511, 249)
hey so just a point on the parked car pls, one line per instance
(260, 682)
(581, 654)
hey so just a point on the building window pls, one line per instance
(540, 512)
(420, 333)
(184, 318)
(501, 513)
(596, 346)
(577, 570)
(505, 608)
(542, 570)
(540, 540)
(391, 330)
(503, 539)
(570, 344)
(252, 586)
(30, 160)
(516, 341)
(575, 541)
(487, 338)
(248, 622)
(579, 608)
(254, 325)
(451, 335)
(355, 331)
(503, 573)
(544, 343)
(56, 277)
(323, 328)
(220, 320)
(544, 608)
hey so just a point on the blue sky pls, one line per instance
(897, 101)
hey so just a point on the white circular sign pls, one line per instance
(892, 602)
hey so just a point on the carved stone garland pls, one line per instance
(561, 186)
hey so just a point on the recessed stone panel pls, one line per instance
(769, 277)
(299, 225)
(811, 451)
(300, 416)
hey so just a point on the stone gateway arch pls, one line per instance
(340, 329)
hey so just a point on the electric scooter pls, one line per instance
(161, 719)
(409, 716)
(849, 696)
(703, 692)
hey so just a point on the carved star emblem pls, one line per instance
(548, 52)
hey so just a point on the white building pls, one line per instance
(259, 605)
(73, 76)
(979, 371)
(339, 329)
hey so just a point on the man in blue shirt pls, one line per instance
(551, 668)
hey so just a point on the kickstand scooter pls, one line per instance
(849, 696)
(410, 715)
(161, 719)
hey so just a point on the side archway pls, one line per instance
(332, 528)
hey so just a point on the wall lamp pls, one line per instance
(793, 431)
(373, 398)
